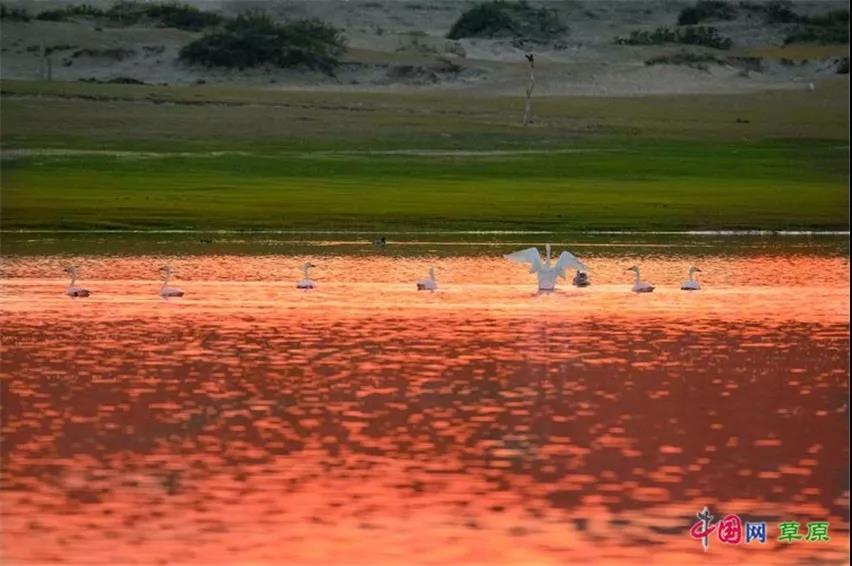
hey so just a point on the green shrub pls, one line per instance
(172, 15)
(69, 12)
(690, 35)
(116, 53)
(813, 34)
(835, 18)
(14, 14)
(59, 47)
(694, 60)
(703, 60)
(780, 12)
(706, 10)
(253, 39)
(832, 27)
(499, 18)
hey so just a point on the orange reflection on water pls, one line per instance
(366, 422)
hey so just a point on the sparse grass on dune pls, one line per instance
(85, 115)
(797, 51)
(331, 160)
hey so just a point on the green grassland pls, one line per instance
(145, 157)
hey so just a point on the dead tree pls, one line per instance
(46, 66)
(527, 109)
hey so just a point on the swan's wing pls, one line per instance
(529, 255)
(567, 260)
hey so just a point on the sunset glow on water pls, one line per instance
(364, 422)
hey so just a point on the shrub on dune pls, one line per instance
(254, 39)
(706, 10)
(14, 14)
(832, 27)
(690, 35)
(507, 19)
(172, 15)
(128, 12)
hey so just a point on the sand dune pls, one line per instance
(401, 45)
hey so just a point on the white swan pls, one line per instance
(546, 272)
(306, 282)
(429, 283)
(640, 286)
(691, 283)
(72, 290)
(166, 291)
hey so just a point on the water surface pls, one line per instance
(365, 422)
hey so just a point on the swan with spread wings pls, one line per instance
(547, 272)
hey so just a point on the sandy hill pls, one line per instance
(394, 45)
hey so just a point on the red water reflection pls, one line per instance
(365, 422)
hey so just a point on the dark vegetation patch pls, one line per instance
(153, 49)
(702, 61)
(14, 14)
(115, 53)
(416, 74)
(71, 12)
(180, 16)
(691, 35)
(115, 81)
(705, 10)
(253, 39)
(774, 12)
(687, 59)
(172, 15)
(499, 18)
(810, 34)
(832, 27)
(422, 74)
(59, 47)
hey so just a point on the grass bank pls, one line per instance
(81, 156)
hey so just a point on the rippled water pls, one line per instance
(365, 422)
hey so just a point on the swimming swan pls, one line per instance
(691, 283)
(306, 282)
(640, 286)
(429, 283)
(166, 291)
(72, 290)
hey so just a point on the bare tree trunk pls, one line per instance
(530, 87)
(42, 67)
(46, 67)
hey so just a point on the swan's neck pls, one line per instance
(73, 280)
(305, 271)
(637, 276)
(692, 276)
(547, 254)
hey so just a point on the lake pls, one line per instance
(365, 422)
